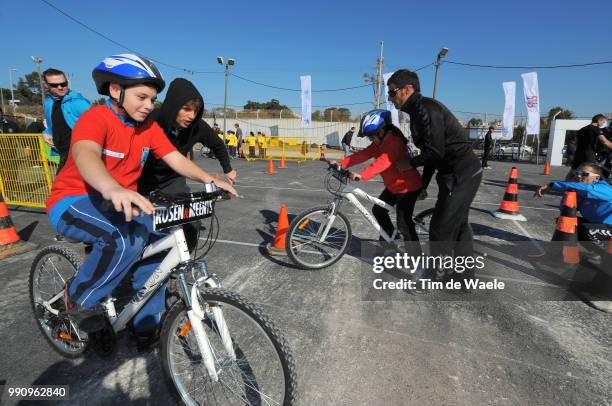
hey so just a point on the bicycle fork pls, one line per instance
(196, 315)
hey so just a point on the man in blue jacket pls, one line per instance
(594, 202)
(63, 108)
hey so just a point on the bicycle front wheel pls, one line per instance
(262, 373)
(318, 238)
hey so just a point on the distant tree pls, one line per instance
(27, 90)
(317, 115)
(474, 122)
(343, 114)
(273, 104)
(330, 114)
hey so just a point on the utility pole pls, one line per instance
(12, 93)
(379, 65)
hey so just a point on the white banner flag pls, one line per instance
(508, 124)
(532, 100)
(306, 101)
(390, 105)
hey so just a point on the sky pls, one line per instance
(336, 42)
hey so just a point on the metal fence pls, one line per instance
(27, 169)
(288, 148)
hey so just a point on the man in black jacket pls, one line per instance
(180, 116)
(588, 139)
(445, 147)
(488, 140)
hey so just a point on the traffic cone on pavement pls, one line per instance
(509, 207)
(565, 231)
(282, 165)
(278, 247)
(547, 169)
(322, 158)
(271, 166)
(10, 242)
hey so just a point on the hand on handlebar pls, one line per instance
(355, 176)
(226, 186)
(128, 201)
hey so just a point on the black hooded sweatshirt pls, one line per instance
(156, 173)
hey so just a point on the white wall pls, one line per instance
(325, 132)
(556, 139)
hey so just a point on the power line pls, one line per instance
(576, 65)
(298, 90)
(98, 33)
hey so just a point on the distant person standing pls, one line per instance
(587, 139)
(488, 140)
(238, 137)
(232, 142)
(63, 108)
(346, 141)
(252, 142)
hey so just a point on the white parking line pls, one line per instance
(533, 240)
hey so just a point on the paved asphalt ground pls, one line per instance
(509, 349)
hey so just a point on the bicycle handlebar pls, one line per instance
(161, 199)
(343, 175)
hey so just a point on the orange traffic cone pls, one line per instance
(322, 158)
(547, 169)
(565, 231)
(10, 242)
(278, 247)
(271, 166)
(242, 153)
(509, 207)
(282, 165)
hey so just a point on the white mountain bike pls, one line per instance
(217, 347)
(318, 237)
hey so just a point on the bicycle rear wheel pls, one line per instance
(51, 269)
(263, 372)
(305, 244)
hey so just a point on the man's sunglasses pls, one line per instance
(393, 93)
(62, 84)
(585, 174)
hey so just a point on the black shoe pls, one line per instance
(89, 319)
(146, 342)
(58, 237)
(104, 341)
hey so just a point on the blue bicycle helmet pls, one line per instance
(372, 121)
(126, 70)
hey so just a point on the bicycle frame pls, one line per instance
(352, 194)
(177, 256)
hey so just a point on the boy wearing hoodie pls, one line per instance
(180, 116)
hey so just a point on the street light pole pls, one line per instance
(11, 83)
(441, 55)
(38, 61)
(230, 62)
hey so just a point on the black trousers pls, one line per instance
(485, 156)
(449, 230)
(404, 206)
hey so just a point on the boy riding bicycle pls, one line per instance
(110, 144)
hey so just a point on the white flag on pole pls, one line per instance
(390, 105)
(306, 101)
(508, 124)
(532, 100)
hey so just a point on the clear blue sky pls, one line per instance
(275, 42)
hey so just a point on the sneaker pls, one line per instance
(89, 319)
(58, 237)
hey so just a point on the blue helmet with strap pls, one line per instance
(373, 120)
(126, 70)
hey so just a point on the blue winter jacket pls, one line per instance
(73, 105)
(594, 200)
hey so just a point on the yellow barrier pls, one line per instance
(297, 149)
(27, 169)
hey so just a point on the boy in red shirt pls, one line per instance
(401, 188)
(110, 144)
